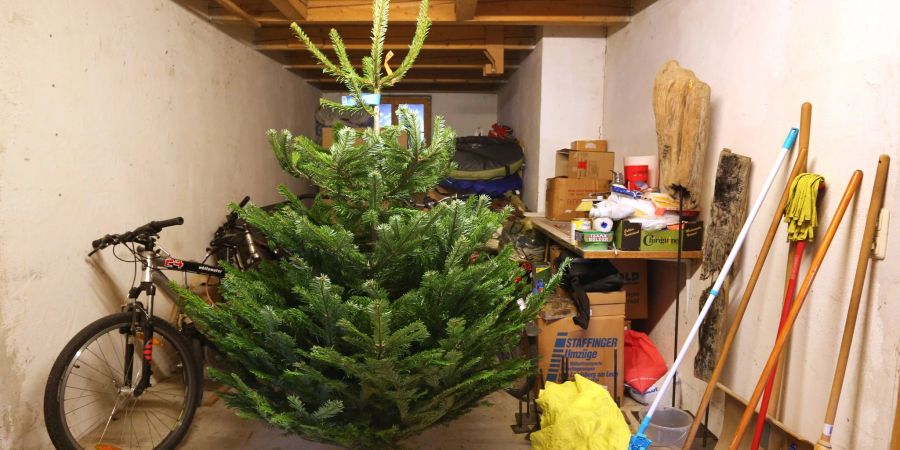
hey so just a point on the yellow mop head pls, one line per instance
(800, 213)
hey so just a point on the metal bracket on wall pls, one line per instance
(881, 234)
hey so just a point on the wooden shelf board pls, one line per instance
(558, 231)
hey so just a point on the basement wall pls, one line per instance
(114, 114)
(555, 97)
(762, 60)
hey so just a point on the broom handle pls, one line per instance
(895, 433)
(795, 308)
(862, 266)
(788, 301)
(798, 168)
(782, 155)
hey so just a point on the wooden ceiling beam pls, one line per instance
(483, 12)
(427, 81)
(465, 9)
(494, 52)
(402, 34)
(244, 16)
(474, 66)
(297, 46)
(292, 9)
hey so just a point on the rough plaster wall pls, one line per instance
(463, 112)
(762, 60)
(519, 106)
(571, 93)
(466, 112)
(116, 113)
(555, 97)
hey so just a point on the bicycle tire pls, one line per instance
(70, 358)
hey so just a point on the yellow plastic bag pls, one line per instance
(579, 415)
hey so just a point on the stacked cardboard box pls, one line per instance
(582, 170)
(596, 353)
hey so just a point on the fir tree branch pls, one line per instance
(423, 24)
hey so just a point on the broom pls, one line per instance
(862, 265)
(800, 215)
(639, 441)
(816, 263)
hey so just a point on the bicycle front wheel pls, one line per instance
(90, 400)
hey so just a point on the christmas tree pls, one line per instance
(382, 319)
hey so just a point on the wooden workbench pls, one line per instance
(559, 232)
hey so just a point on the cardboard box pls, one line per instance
(596, 353)
(584, 164)
(562, 163)
(328, 137)
(635, 273)
(565, 194)
(630, 236)
(595, 145)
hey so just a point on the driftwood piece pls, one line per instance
(728, 211)
(729, 208)
(681, 107)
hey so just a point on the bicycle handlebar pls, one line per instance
(152, 227)
(232, 218)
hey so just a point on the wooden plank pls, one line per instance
(238, 11)
(292, 9)
(403, 87)
(432, 80)
(402, 33)
(780, 436)
(475, 66)
(272, 20)
(558, 231)
(465, 9)
(298, 46)
(494, 51)
(487, 12)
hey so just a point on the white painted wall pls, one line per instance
(519, 106)
(116, 113)
(559, 90)
(463, 112)
(762, 59)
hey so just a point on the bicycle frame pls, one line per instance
(151, 277)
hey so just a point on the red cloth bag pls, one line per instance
(643, 363)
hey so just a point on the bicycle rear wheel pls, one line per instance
(88, 404)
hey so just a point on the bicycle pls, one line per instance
(133, 379)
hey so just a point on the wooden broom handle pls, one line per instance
(895, 433)
(798, 168)
(862, 266)
(852, 187)
(778, 384)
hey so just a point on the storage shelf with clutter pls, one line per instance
(618, 211)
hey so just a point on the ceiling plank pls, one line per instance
(402, 34)
(298, 46)
(474, 66)
(292, 9)
(429, 81)
(486, 12)
(465, 9)
(238, 11)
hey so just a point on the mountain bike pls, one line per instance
(133, 379)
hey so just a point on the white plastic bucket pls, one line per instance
(668, 427)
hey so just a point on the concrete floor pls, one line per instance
(486, 427)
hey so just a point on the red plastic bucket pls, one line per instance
(636, 176)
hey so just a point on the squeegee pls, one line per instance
(640, 441)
